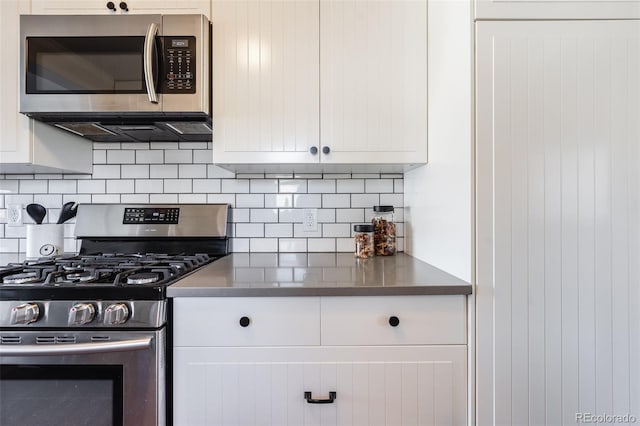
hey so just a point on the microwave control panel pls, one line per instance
(179, 65)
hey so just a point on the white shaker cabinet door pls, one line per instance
(373, 88)
(99, 7)
(265, 81)
(383, 386)
(558, 148)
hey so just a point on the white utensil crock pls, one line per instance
(45, 240)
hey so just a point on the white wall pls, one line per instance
(439, 196)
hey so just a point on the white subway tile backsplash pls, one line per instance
(292, 245)
(192, 198)
(134, 198)
(33, 186)
(263, 245)
(293, 186)
(163, 171)
(336, 201)
(222, 199)
(120, 186)
(206, 185)
(336, 230)
(99, 156)
(235, 186)
(135, 171)
(349, 215)
(147, 156)
(121, 157)
(278, 200)
(163, 198)
(91, 186)
(321, 244)
(249, 230)
(350, 185)
(378, 185)
(266, 208)
(179, 186)
(106, 171)
(9, 245)
(281, 230)
(250, 200)
(178, 156)
(307, 201)
(264, 215)
(365, 200)
(263, 186)
(315, 186)
(198, 171)
(149, 186)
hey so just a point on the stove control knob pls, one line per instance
(115, 314)
(25, 313)
(81, 313)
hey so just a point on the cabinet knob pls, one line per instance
(394, 321)
(124, 6)
(326, 150)
(111, 6)
(313, 150)
(244, 321)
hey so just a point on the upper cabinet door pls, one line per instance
(265, 81)
(554, 9)
(99, 7)
(373, 88)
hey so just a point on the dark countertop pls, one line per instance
(317, 274)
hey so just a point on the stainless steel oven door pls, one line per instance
(82, 378)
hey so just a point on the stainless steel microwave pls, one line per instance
(118, 78)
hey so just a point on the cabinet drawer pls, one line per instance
(368, 320)
(272, 321)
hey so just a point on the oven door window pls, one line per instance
(85, 65)
(61, 395)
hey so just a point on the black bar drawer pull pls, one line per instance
(310, 400)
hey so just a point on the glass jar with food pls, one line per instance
(384, 230)
(363, 240)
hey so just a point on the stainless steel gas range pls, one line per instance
(83, 339)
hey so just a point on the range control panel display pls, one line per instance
(140, 216)
(179, 65)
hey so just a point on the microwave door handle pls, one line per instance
(149, 41)
(76, 348)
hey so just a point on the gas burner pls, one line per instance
(81, 276)
(143, 278)
(21, 278)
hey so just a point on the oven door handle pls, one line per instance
(76, 348)
(149, 41)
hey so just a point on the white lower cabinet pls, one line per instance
(250, 382)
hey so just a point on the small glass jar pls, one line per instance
(363, 241)
(384, 230)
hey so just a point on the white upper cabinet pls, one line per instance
(319, 84)
(373, 81)
(102, 7)
(554, 9)
(265, 81)
(25, 145)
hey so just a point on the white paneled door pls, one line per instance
(558, 258)
(266, 386)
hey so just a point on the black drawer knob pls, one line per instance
(244, 321)
(313, 150)
(394, 321)
(326, 150)
(111, 6)
(124, 6)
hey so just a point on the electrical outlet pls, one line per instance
(14, 214)
(310, 220)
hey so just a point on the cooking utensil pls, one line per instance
(68, 211)
(36, 212)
